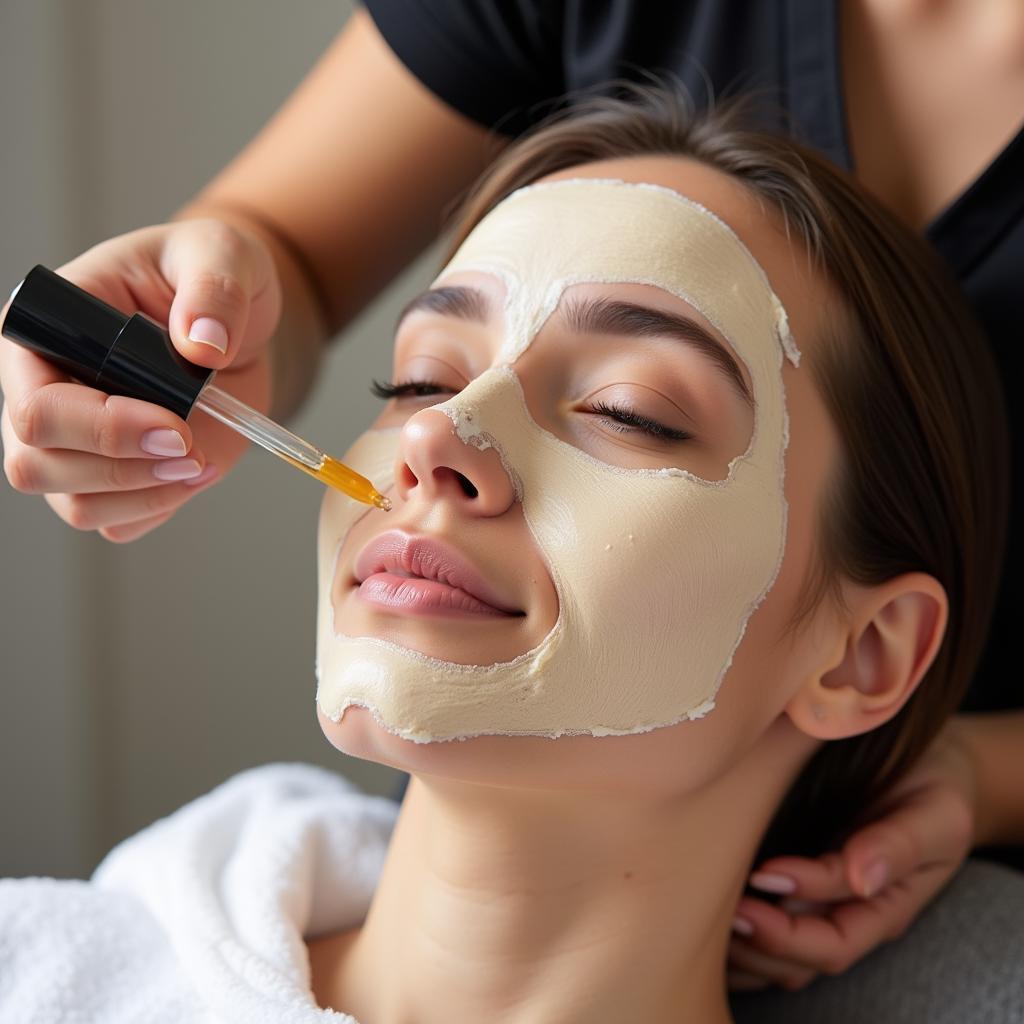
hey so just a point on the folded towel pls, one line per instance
(201, 917)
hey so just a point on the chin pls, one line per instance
(490, 760)
(643, 764)
(359, 734)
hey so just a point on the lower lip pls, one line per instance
(417, 596)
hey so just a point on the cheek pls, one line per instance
(342, 528)
(774, 658)
(351, 536)
(812, 461)
(373, 455)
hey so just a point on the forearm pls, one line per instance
(996, 744)
(302, 332)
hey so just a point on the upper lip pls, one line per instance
(428, 559)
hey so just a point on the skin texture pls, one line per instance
(530, 878)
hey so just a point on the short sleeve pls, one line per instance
(497, 63)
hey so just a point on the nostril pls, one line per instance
(445, 478)
(407, 478)
(467, 486)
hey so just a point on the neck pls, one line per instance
(525, 905)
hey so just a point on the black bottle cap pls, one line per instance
(100, 346)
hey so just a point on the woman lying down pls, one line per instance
(695, 467)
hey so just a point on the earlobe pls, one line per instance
(890, 638)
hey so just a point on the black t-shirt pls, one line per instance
(507, 63)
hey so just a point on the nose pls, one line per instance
(435, 464)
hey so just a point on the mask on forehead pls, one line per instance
(653, 599)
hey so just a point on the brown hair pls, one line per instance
(910, 385)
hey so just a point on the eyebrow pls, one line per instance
(454, 300)
(609, 316)
(592, 316)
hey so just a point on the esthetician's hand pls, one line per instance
(837, 908)
(119, 465)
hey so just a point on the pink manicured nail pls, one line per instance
(876, 876)
(742, 926)
(767, 882)
(208, 331)
(177, 469)
(162, 442)
(205, 477)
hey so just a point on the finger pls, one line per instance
(35, 471)
(217, 273)
(832, 943)
(133, 531)
(96, 511)
(123, 273)
(745, 958)
(22, 372)
(52, 470)
(74, 417)
(931, 826)
(820, 879)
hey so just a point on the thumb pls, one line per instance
(216, 272)
(931, 826)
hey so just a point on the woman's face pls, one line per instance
(601, 534)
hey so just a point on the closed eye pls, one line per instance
(621, 419)
(629, 421)
(409, 389)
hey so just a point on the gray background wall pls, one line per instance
(135, 677)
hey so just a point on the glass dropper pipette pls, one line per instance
(275, 438)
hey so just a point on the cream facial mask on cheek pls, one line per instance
(654, 598)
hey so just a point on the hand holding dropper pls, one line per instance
(133, 356)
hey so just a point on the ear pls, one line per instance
(887, 640)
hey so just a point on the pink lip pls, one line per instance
(421, 576)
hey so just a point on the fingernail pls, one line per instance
(742, 926)
(208, 331)
(205, 477)
(767, 882)
(177, 469)
(876, 875)
(162, 442)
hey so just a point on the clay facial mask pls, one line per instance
(696, 556)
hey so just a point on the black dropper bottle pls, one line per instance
(101, 346)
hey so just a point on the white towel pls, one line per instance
(200, 917)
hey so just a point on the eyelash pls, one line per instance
(626, 420)
(623, 420)
(411, 388)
